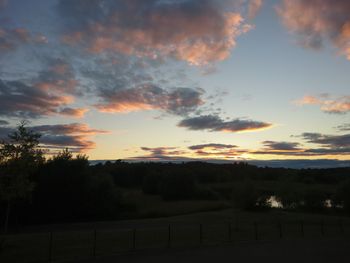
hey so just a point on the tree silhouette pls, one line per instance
(20, 156)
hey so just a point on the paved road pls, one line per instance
(318, 251)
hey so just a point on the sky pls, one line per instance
(179, 79)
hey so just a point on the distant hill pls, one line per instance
(295, 164)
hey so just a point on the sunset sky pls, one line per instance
(178, 79)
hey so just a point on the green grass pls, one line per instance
(155, 206)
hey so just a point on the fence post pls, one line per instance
(229, 232)
(302, 228)
(200, 233)
(169, 236)
(94, 244)
(50, 246)
(280, 229)
(134, 238)
(341, 226)
(256, 230)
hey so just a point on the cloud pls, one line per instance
(18, 99)
(4, 123)
(162, 151)
(215, 123)
(47, 94)
(317, 20)
(327, 145)
(176, 101)
(71, 112)
(281, 146)
(3, 3)
(211, 146)
(198, 32)
(75, 136)
(11, 39)
(254, 7)
(339, 105)
(333, 141)
(343, 127)
(162, 154)
(59, 78)
(217, 150)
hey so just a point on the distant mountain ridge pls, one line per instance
(294, 164)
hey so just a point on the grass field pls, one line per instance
(86, 240)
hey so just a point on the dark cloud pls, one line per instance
(217, 150)
(215, 123)
(199, 32)
(281, 146)
(18, 99)
(320, 20)
(333, 141)
(49, 93)
(162, 151)
(305, 152)
(327, 145)
(343, 127)
(75, 136)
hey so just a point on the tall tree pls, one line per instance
(20, 156)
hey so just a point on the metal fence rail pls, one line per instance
(70, 245)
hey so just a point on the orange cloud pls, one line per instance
(76, 113)
(75, 136)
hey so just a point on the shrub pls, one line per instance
(151, 183)
(178, 186)
(245, 196)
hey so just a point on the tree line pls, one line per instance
(37, 189)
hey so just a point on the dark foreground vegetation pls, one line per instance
(63, 188)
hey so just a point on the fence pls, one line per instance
(71, 245)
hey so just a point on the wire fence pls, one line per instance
(73, 245)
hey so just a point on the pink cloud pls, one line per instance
(254, 7)
(198, 33)
(11, 39)
(316, 20)
(327, 104)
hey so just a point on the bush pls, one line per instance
(178, 186)
(204, 193)
(245, 196)
(314, 199)
(289, 197)
(342, 196)
(151, 183)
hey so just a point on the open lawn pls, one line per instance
(87, 240)
(301, 251)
